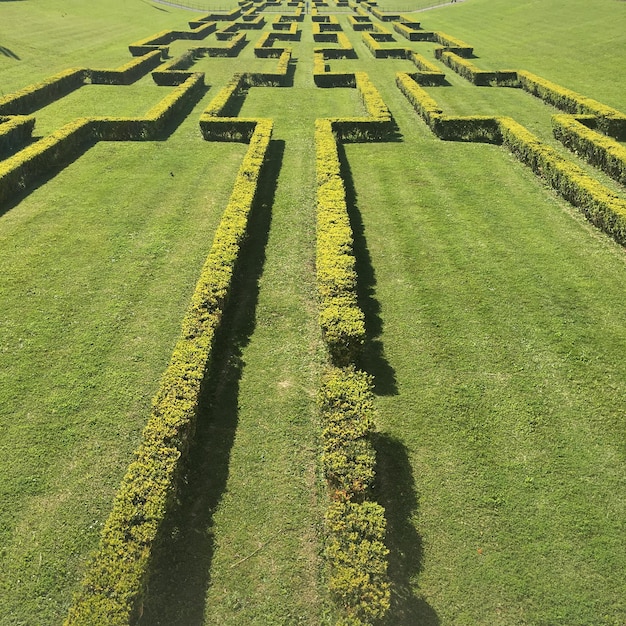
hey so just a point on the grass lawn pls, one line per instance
(494, 310)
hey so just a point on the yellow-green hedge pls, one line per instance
(41, 94)
(610, 121)
(341, 319)
(114, 584)
(601, 206)
(594, 147)
(15, 132)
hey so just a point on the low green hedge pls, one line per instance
(610, 121)
(341, 319)
(33, 97)
(221, 103)
(15, 132)
(594, 147)
(21, 170)
(235, 45)
(482, 78)
(357, 555)
(157, 120)
(346, 405)
(116, 578)
(452, 44)
(126, 74)
(602, 207)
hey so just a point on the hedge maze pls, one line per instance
(355, 525)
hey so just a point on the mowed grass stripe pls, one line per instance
(97, 270)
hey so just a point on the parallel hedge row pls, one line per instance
(61, 147)
(344, 51)
(116, 579)
(355, 527)
(594, 147)
(469, 71)
(602, 207)
(15, 132)
(235, 45)
(341, 319)
(126, 74)
(428, 74)
(610, 121)
(41, 94)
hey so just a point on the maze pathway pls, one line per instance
(261, 42)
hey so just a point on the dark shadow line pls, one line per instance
(395, 490)
(373, 358)
(9, 53)
(181, 570)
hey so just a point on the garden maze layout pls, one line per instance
(355, 525)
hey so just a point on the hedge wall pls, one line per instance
(597, 149)
(482, 78)
(126, 74)
(602, 207)
(33, 97)
(116, 579)
(610, 121)
(15, 132)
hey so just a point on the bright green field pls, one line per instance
(495, 311)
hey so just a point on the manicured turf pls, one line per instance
(495, 314)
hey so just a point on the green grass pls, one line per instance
(496, 337)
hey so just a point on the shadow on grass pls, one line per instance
(182, 564)
(395, 490)
(8, 53)
(373, 358)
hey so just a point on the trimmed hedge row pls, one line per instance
(157, 120)
(54, 151)
(429, 74)
(355, 527)
(602, 207)
(126, 74)
(356, 552)
(64, 145)
(453, 45)
(463, 128)
(41, 94)
(597, 149)
(344, 51)
(15, 132)
(324, 78)
(346, 405)
(116, 579)
(341, 320)
(174, 73)
(610, 121)
(235, 44)
(279, 78)
(482, 78)
(360, 22)
(219, 105)
(371, 41)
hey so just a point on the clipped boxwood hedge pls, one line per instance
(115, 581)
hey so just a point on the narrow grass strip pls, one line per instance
(115, 581)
